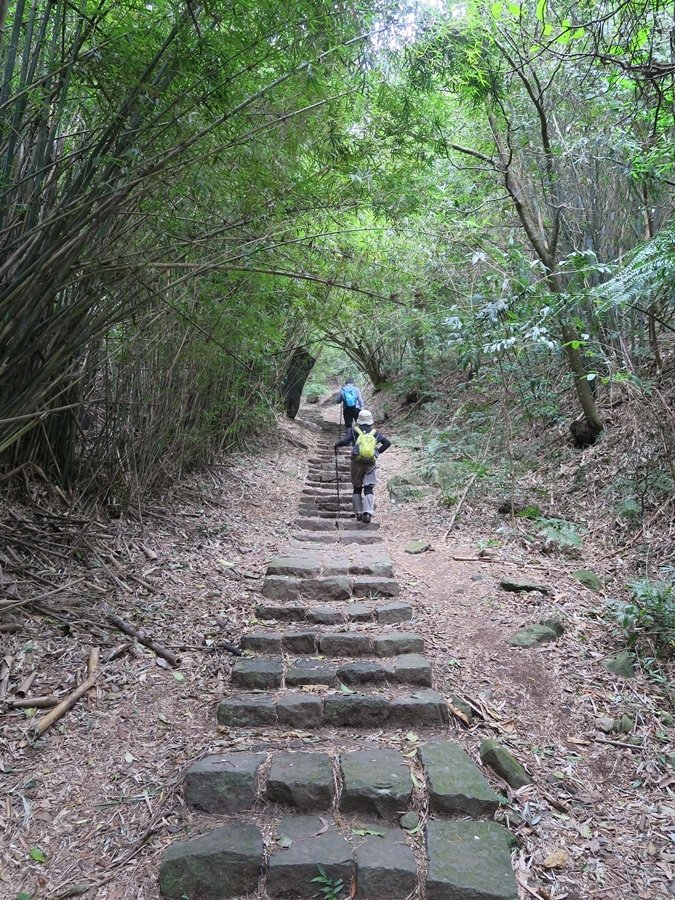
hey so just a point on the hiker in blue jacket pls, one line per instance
(351, 400)
(367, 444)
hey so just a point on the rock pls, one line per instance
(605, 724)
(393, 643)
(457, 787)
(335, 565)
(385, 866)
(624, 724)
(309, 847)
(367, 586)
(289, 612)
(418, 547)
(390, 613)
(300, 641)
(424, 707)
(300, 710)
(301, 565)
(225, 783)
(506, 766)
(259, 674)
(302, 780)
(362, 673)
(281, 587)
(245, 711)
(588, 579)
(410, 820)
(223, 863)
(532, 635)
(325, 615)
(327, 589)
(311, 671)
(555, 623)
(412, 668)
(407, 488)
(262, 642)
(665, 718)
(462, 706)
(346, 643)
(377, 566)
(469, 861)
(622, 664)
(376, 782)
(509, 584)
(359, 612)
(356, 710)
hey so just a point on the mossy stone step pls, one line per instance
(456, 785)
(337, 536)
(328, 589)
(376, 782)
(303, 846)
(224, 863)
(304, 781)
(469, 861)
(421, 708)
(385, 614)
(226, 783)
(266, 673)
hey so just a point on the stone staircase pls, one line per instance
(334, 660)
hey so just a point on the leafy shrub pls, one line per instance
(650, 614)
(559, 533)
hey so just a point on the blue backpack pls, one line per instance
(349, 395)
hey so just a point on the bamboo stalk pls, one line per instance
(140, 635)
(34, 702)
(59, 711)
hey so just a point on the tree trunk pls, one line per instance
(584, 433)
(297, 372)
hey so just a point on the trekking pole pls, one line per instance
(337, 475)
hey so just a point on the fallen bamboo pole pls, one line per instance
(34, 702)
(59, 711)
(143, 638)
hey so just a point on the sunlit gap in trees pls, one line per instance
(406, 22)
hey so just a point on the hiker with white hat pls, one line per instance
(367, 444)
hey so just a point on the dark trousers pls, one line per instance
(350, 414)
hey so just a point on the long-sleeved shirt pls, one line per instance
(359, 397)
(351, 437)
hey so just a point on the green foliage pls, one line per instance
(559, 533)
(649, 618)
(329, 888)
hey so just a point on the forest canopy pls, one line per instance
(190, 193)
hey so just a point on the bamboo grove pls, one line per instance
(189, 193)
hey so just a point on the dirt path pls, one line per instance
(97, 799)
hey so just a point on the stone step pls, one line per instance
(320, 524)
(307, 711)
(376, 781)
(466, 861)
(335, 536)
(269, 672)
(312, 563)
(386, 613)
(328, 589)
(345, 515)
(336, 643)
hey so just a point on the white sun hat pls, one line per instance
(365, 417)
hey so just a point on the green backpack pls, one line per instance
(366, 445)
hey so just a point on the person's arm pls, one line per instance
(339, 396)
(383, 443)
(346, 440)
(359, 399)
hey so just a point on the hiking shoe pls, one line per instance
(359, 517)
(365, 518)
